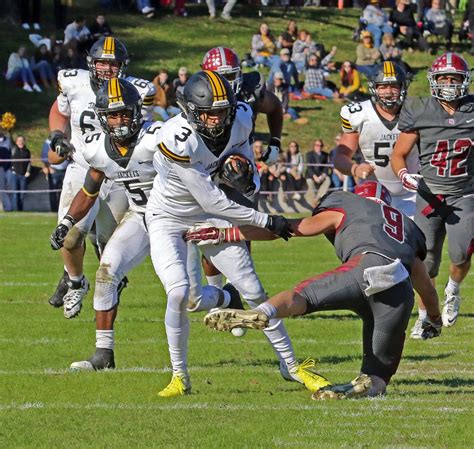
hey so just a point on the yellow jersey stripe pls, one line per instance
(170, 155)
(347, 126)
(90, 195)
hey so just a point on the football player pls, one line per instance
(372, 125)
(442, 126)
(379, 248)
(192, 148)
(122, 153)
(248, 88)
(74, 110)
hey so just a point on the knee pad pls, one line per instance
(105, 295)
(74, 239)
(178, 298)
(432, 264)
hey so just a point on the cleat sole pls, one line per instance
(228, 319)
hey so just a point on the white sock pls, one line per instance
(177, 329)
(452, 286)
(105, 339)
(216, 280)
(422, 314)
(279, 339)
(268, 309)
(76, 278)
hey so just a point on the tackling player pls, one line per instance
(379, 248)
(192, 148)
(372, 125)
(73, 110)
(443, 128)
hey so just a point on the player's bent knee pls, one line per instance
(432, 265)
(105, 296)
(178, 298)
(74, 239)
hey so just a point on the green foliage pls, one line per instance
(239, 399)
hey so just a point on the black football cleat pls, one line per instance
(57, 300)
(102, 359)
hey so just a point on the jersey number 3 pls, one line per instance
(393, 225)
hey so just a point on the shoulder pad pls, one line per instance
(352, 115)
(253, 85)
(68, 78)
(146, 89)
(178, 141)
(244, 115)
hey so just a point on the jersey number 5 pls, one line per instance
(456, 166)
(393, 225)
(139, 198)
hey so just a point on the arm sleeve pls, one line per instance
(63, 101)
(346, 124)
(406, 122)
(147, 106)
(213, 200)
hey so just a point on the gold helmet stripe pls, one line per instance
(218, 88)
(388, 69)
(109, 46)
(114, 91)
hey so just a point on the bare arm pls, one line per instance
(86, 197)
(403, 146)
(343, 158)
(270, 106)
(424, 287)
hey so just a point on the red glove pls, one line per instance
(208, 235)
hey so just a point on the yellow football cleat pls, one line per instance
(179, 386)
(357, 388)
(311, 380)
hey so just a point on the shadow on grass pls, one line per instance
(455, 382)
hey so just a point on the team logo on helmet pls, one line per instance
(224, 61)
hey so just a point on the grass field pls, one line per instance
(239, 399)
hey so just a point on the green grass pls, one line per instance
(170, 42)
(239, 399)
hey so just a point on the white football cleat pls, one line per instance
(450, 312)
(417, 330)
(73, 299)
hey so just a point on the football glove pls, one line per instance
(272, 152)
(431, 328)
(237, 172)
(60, 144)
(409, 180)
(59, 234)
(280, 226)
(208, 235)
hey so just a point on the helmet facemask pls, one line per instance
(203, 128)
(388, 102)
(123, 131)
(97, 78)
(449, 92)
(234, 76)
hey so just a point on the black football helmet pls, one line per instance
(208, 91)
(118, 95)
(107, 49)
(389, 72)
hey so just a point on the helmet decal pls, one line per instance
(218, 90)
(115, 94)
(108, 50)
(389, 72)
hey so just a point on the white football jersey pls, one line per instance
(186, 166)
(377, 136)
(134, 170)
(76, 99)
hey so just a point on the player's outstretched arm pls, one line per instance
(271, 106)
(405, 142)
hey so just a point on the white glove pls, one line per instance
(409, 180)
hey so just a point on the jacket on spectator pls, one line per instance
(15, 62)
(22, 167)
(367, 55)
(316, 158)
(375, 16)
(263, 46)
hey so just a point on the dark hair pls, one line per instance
(347, 78)
(288, 152)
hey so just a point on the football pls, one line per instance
(237, 172)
